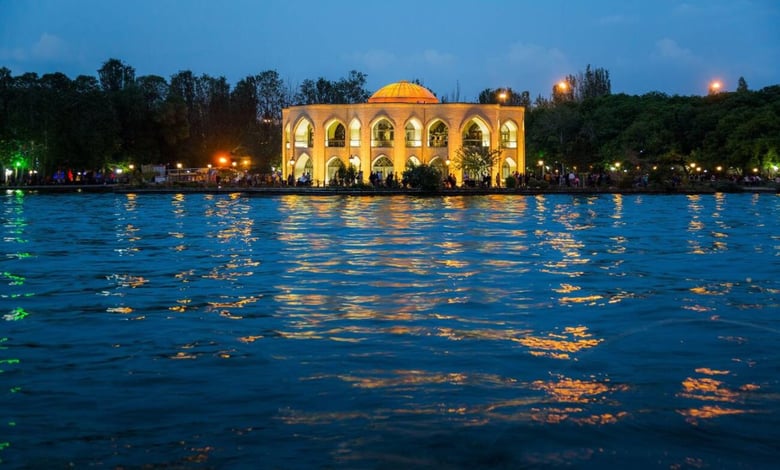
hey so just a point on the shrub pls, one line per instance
(424, 177)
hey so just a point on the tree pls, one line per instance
(476, 160)
(352, 89)
(592, 84)
(504, 96)
(347, 90)
(742, 85)
(115, 75)
(424, 177)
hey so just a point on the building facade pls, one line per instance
(402, 123)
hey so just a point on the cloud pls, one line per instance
(49, 47)
(378, 59)
(373, 59)
(17, 54)
(436, 58)
(668, 49)
(534, 55)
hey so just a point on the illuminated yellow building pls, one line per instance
(401, 123)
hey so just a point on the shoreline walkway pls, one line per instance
(328, 191)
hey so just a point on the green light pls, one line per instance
(15, 315)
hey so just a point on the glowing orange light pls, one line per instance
(715, 86)
(562, 85)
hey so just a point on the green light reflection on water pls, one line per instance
(16, 314)
(15, 280)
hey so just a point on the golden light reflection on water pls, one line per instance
(560, 345)
(575, 391)
(127, 280)
(617, 213)
(563, 399)
(413, 379)
(711, 386)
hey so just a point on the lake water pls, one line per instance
(225, 331)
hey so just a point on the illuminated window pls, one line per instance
(413, 133)
(304, 135)
(509, 135)
(437, 135)
(336, 136)
(354, 133)
(472, 137)
(383, 134)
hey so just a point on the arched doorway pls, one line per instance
(508, 168)
(441, 165)
(381, 169)
(334, 166)
(302, 170)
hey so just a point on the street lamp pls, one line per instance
(715, 87)
(560, 91)
(501, 100)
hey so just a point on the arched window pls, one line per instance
(509, 135)
(437, 135)
(354, 133)
(304, 135)
(413, 131)
(336, 135)
(476, 134)
(383, 134)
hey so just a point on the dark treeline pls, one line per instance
(52, 122)
(583, 125)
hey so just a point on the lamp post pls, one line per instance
(502, 95)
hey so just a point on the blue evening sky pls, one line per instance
(675, 47)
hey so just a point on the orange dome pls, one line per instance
(403, 92)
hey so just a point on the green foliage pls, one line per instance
(736, 131)
(476, 160)
(423, 176)
(344, 91)
(535, 183)
(504, 96)
(83, 123)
